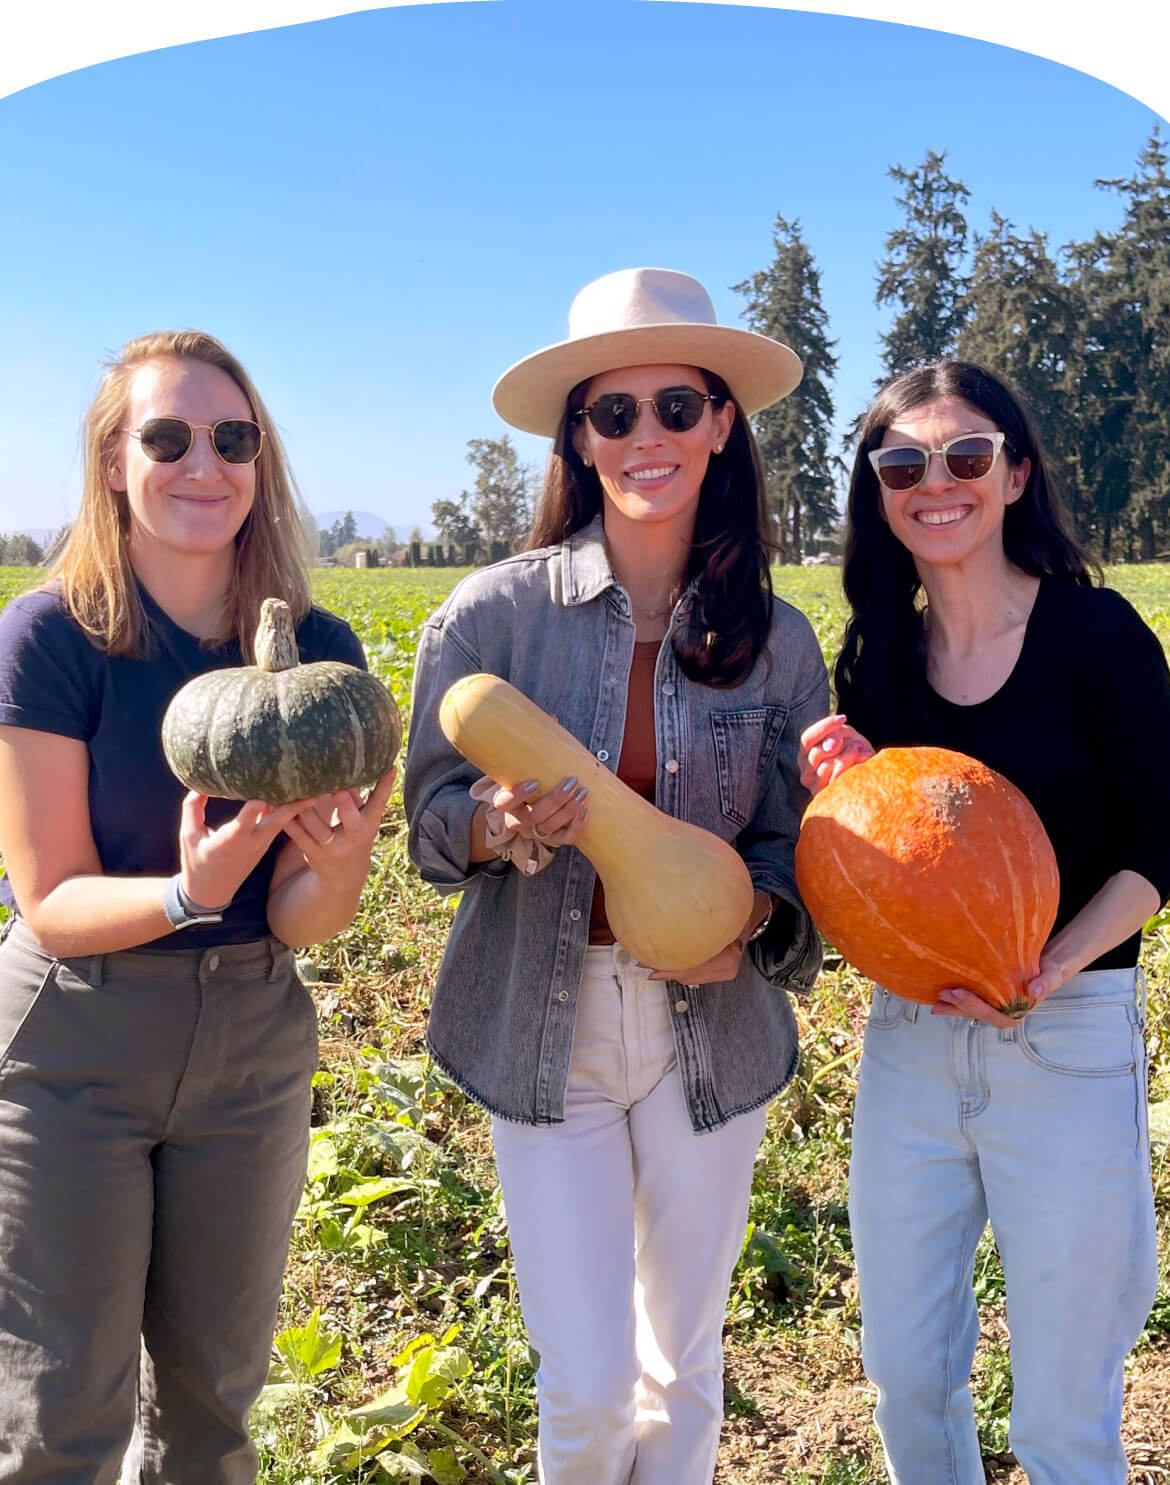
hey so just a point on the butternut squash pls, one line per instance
(675, 894)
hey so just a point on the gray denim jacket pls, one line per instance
(557, 624)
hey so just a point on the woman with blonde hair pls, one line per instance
(156, 1046)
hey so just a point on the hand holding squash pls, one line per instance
(928, 870)
(335, 833)
(554, 819)
(279, 730)
(214, 863)
(827, 749)
(675, 895)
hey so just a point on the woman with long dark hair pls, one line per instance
(976, 625)
(627, 1105)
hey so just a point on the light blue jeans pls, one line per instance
(1041, 1128)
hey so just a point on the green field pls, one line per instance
(403, 1354)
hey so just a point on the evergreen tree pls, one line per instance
(1024, 319)
(1127, 277)
(784, 301)
(922, 269)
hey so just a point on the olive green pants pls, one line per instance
(153, 1135)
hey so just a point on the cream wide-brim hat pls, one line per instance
(642, 317)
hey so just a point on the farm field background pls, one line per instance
(402, 1353)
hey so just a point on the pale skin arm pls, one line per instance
(46, 840)
(1118, 910)
(320, 872)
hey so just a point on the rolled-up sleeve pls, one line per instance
(437, 778)
(788, 952)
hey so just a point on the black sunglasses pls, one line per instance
(167, 440)
(678, 409)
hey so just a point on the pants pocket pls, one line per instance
(25, 972)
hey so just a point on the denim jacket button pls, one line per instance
(671, 765)
(602, 755)
(681, 1007)
(668, 688)
(575, 915)
(562, 995)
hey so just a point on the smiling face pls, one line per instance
(944, 521)
(198, 504)
(652, 474)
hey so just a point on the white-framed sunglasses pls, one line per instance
(969, 456)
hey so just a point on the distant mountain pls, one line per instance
(368, 524)
(39, 534)
(371, 526)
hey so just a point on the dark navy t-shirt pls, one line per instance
(55, 679)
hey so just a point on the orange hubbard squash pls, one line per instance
(928, 870)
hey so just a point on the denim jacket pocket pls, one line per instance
(1082, 1041)
(745, 745)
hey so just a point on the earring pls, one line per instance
(718, 448)
(587, 461)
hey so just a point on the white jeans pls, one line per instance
(625, 1228)
(1043, 1129)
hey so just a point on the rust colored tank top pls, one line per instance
(638, 764)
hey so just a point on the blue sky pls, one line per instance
(380, 212)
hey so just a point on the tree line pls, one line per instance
(1082, 329)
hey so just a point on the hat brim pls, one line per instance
(531, 395)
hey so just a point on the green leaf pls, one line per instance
(330, 1234)
(407, 1464)
(323, 1160)
(307, 1350)
(395, 1412)
(445, 1467)
(366, 1192)
(273, 1397)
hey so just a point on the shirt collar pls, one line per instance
(585, 569)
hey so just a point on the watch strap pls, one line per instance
(181, 911)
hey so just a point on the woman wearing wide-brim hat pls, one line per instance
(627, 1105)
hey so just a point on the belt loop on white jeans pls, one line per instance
(1140, 981)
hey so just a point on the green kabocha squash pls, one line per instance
(279, 730)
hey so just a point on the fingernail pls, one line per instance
(530, 786)
(580, 794)
(581, 814)
(569, 785)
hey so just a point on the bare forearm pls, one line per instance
(305, 910)
(99, 915)
(1117, 911)
(478, 849)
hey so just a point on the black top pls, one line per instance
(55, 679)
(1082, 728)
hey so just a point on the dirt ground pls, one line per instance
(792, 1430)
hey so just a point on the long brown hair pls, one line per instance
(93, 571)
(730, 618)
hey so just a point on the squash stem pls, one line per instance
(276, 640)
